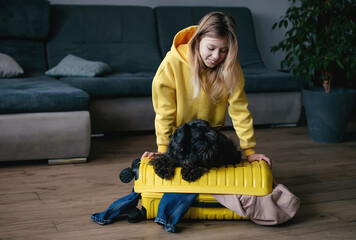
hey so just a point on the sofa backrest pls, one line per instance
(24, 27)
(124, 37)
(170, 20)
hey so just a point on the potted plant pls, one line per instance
(320, 48)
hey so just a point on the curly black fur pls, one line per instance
(196, 147)
(164, 166)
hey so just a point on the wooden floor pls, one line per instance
(38, 201)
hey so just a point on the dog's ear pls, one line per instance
(163, 166)
(179, 144)
(192, 173)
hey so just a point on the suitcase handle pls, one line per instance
(207, 205)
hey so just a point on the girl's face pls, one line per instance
(213, 50)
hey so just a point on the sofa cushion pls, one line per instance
(73, 66)
(124, 37)
(40, 93)
(24, 18)
(187, 16)
(29, 54)
(258, 77)
(114, 85)
(9, 67)
(267, 80)
(24, 27)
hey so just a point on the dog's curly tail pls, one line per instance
(163, 165)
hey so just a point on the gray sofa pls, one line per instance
(43, 117)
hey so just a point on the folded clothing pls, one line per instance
(275, 208)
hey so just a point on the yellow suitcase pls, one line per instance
(205, 208)
(245, 178)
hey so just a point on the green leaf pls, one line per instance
(274, 25)
(285, 24)
(340, 64)
(321, 34)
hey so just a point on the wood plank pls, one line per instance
(38, 201)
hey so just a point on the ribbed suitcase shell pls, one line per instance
(150, 202)
(245, 178)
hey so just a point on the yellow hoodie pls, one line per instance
(172, 96)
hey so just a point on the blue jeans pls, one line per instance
(172, 208)
(117, 208)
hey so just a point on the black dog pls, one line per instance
(196, 147)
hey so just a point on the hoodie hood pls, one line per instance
(180, 42)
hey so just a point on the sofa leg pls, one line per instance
(60, 161)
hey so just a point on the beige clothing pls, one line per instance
(274, 208)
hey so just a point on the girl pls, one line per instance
(198, 78)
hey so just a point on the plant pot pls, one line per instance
(328, 114)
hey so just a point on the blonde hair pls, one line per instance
(223, 78)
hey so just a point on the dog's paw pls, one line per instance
(192, 173)
(163, 166)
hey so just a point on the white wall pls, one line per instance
(265, 13)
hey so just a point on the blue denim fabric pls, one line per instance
(118, 207)
(172, 208)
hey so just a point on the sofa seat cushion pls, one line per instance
(40, 93)
(268, 80)
(114, 85)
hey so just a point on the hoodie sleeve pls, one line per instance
(241, 117)
(164, 104)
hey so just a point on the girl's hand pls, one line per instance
(259, 157)
(150, 155)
